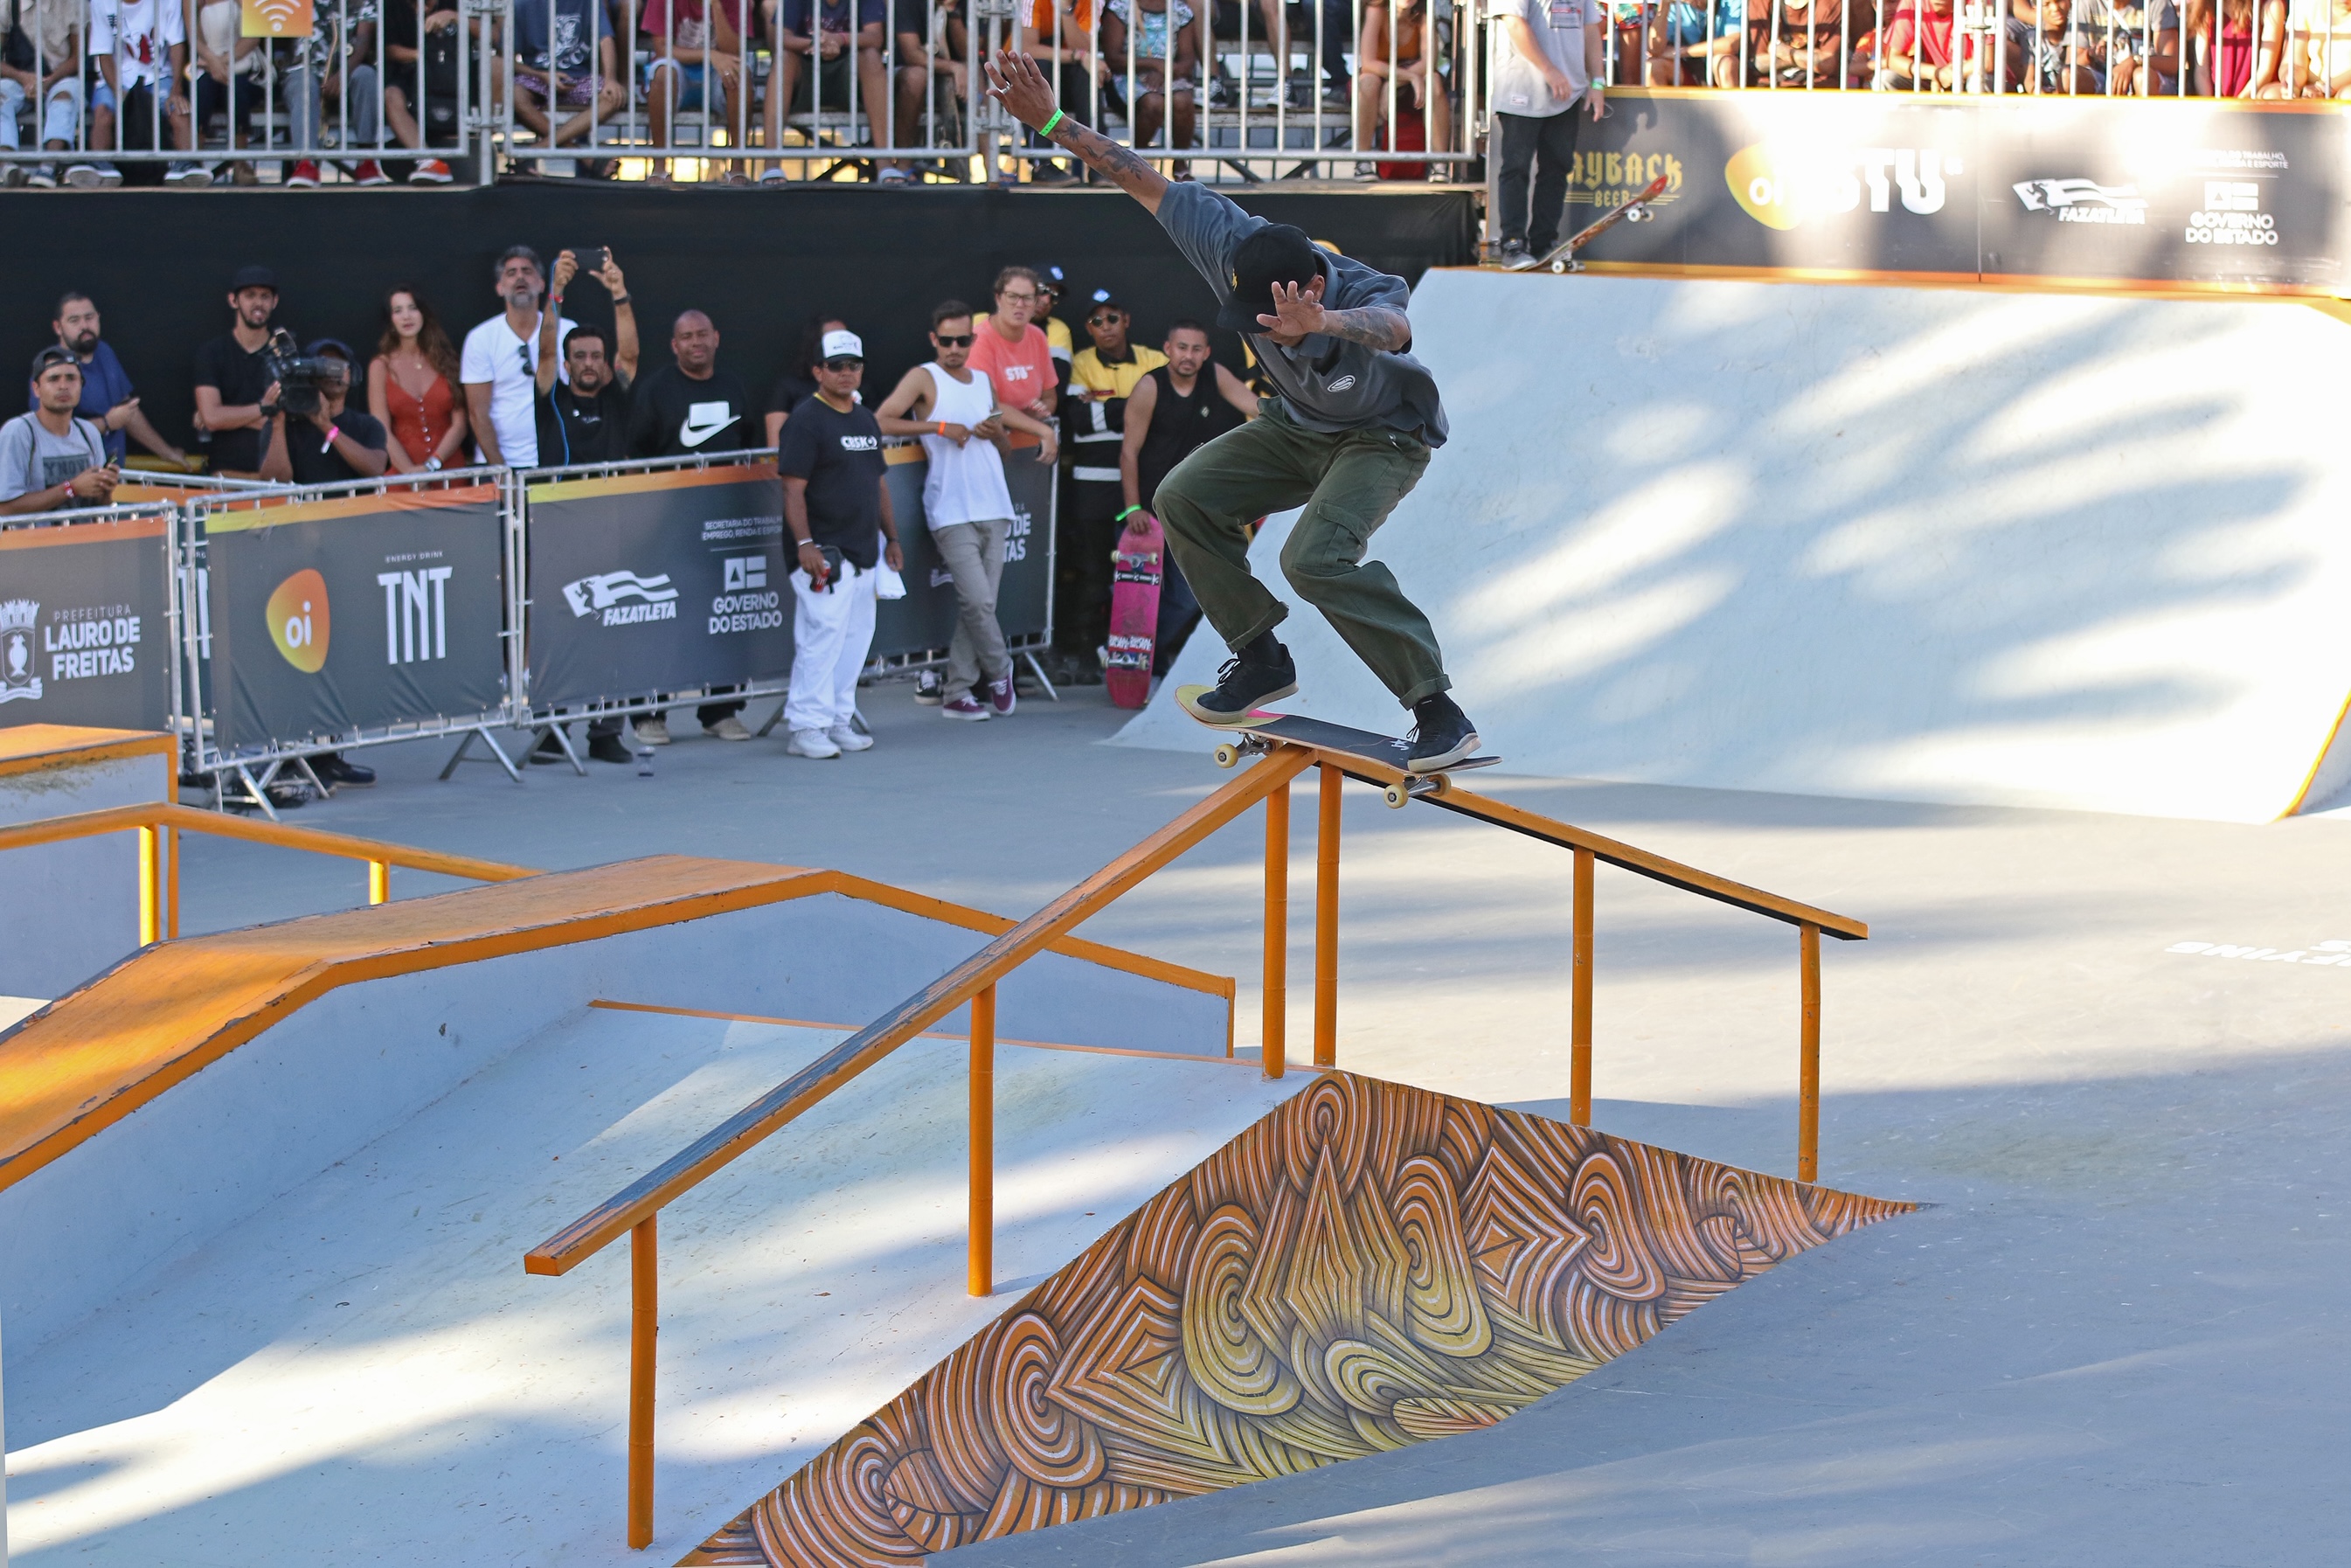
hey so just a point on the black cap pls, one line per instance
(54, 354)
(253, 277)
(1277, 252)
(1103, 296)
(323, 345)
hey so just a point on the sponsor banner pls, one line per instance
(2161, 193)
(85, 624)
(643, 583)
(348, 615)
(924, 620)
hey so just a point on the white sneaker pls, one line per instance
(848, 740)
(727, 728)
(812, 743)
(653, 728)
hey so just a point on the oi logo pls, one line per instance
(298, 621)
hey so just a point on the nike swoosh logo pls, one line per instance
(694, 435)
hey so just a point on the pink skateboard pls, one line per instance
(1133, 613)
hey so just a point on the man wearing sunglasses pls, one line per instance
(1348, 436)
(1102, 377)
(957, 411)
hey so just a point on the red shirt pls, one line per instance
(1023, 372)
(1933, 33)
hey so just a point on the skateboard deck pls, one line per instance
(1562, 258)
(1253, 733)
(1136, 575)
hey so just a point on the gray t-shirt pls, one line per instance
(1326, 383)
(32, 458)
(1558, 28)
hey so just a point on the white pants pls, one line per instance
(831, 634)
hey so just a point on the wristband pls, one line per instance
(1126, 514)
(332, 432)
(798, 545)
(943, 428)
(620, 299)
(1047, 128)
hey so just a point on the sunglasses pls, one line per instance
(843, 363)
(1107, 320)
(962, 342)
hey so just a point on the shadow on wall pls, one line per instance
(1913, 545)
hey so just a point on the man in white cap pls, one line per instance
(837, 510)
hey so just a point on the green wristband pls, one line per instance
(1126, 514)
(1047, 128)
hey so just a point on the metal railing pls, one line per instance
(634, 1211)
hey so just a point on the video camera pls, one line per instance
(302, 379)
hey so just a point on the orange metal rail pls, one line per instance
(632, 1211)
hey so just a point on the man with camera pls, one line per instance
(837, 510)
(50, 458)
(314, 437)
(231, 373)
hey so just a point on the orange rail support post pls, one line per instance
(1579, 1028)
(1326, 921)
(1808, 1096)
(378, 882)
(150, 887)
(979, 1266)
(1273, 1049)
(645, 1312)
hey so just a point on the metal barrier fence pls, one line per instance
(241, 617)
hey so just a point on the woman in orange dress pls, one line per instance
(412, 387)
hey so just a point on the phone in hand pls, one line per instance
(591, 257)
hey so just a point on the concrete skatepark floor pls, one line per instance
(2116, 1338)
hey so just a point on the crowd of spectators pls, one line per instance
(372, 94)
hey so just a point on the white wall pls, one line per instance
(69, 911)
(1921, 545)
(361, 1060)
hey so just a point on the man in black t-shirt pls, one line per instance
(233, 371)
(583, 415)
(681, 410)
(837, 510)
(335, 444)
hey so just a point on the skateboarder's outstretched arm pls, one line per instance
(1015, 82)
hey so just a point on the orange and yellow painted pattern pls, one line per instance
(1369, 1266)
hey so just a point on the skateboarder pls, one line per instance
(1347, 439)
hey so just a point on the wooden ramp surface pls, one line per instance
(88, 1060)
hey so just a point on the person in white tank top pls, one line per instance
(966, 504)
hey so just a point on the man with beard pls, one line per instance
(108, 399)
(498, 365)
(233, 371)
(583, 408)
(1175, 410)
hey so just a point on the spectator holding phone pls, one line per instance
(837, 510)
(499, 361)
(583, 411)
(51, 459)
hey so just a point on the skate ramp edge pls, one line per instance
(1368, 1267)
(200, 1078)
(1936, 545)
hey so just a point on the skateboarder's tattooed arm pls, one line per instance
(1015, 81)
(1375, 325)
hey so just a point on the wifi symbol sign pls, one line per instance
(276, 19)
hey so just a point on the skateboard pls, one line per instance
(1561, 258)
(1133, 613)
(1263, 727)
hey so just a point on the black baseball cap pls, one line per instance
(1103, 296)
(54, 354)
(253, 277)
(332, 344)
(1277, 252)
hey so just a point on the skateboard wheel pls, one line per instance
(1228, 755)
(1440, 784)
(1558, 269)
(1396, 795)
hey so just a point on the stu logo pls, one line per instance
(300, 620)
(415, 614)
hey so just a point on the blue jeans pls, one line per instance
(60, 111)
(303, 109)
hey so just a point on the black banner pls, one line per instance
(924, 620)
(349, 615)
(85, 624)
(645, 583)
(1973, 188)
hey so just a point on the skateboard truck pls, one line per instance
(1398, 795)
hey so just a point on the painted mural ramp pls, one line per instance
(1367, 1266)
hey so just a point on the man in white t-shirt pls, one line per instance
(1548, 57)
(501, 361)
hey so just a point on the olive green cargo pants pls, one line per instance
(1348, 483)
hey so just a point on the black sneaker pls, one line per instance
(1259, 674)
(548, 750)
(1441, 735)
(332, 770)
(607, 749)
(1514, 256)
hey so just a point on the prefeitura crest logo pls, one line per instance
(20, 667)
